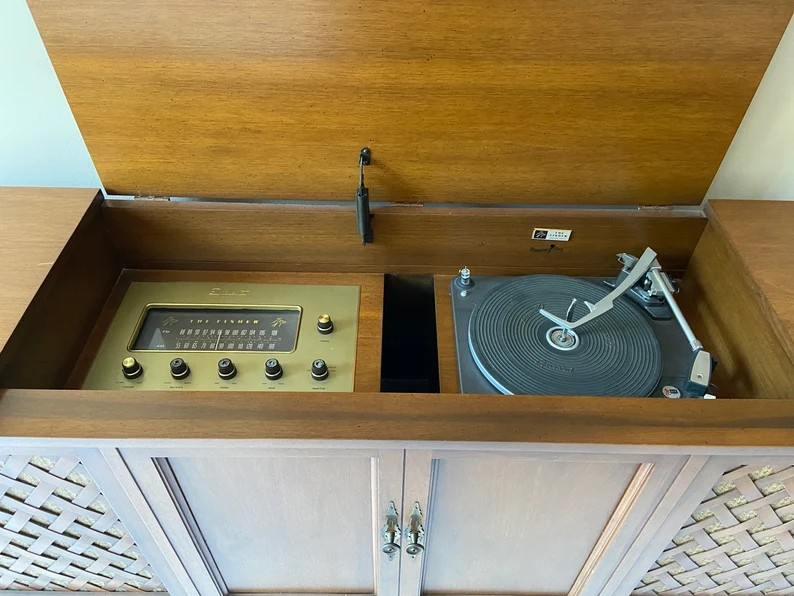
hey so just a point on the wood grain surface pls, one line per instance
(593, 102)
(761, 234)
(434, 240)
(146, 415)
(737, 297)
(55, 258)
(448, 380)
(370, 314)
(50, 335)
(35, 226)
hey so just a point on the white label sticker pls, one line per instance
(551, 234)
(671, 391)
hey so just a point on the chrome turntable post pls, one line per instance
(560, 335)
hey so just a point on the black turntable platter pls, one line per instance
(522, 352)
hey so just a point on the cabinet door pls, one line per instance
(299, 520)
(529, 522)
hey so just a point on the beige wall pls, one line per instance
(760, 161)
(40, 144)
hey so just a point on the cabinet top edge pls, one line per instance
(118, 416)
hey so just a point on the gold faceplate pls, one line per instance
(149, 307)
(338, 349)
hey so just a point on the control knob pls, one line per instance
(226, 369)
(179, 369)
(319, 370)
(324, 324)
(131, 368)
(273, 370)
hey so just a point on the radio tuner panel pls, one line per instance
(235, 337)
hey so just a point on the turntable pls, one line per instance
(560, 335)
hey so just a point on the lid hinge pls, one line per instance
(150, 198)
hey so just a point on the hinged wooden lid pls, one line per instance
(593, 101)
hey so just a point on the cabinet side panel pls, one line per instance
(59, 533)
(44, 347)
(30, 249)
(738, 540)
(726, 313)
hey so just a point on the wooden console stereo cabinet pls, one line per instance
(227, 137)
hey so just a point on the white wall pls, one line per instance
(40, 144)
(760, 161)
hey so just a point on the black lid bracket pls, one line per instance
(363, 216)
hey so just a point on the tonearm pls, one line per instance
(647, 272)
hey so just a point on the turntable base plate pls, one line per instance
(522, 352)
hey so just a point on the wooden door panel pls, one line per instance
(283, 524)
(516, 525)
(276, 520)
(533, 521)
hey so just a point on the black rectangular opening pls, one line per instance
(410, 352)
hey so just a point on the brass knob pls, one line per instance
(131, 368)
(324, 324)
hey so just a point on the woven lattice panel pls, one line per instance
(738, 541)
(57, 532)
